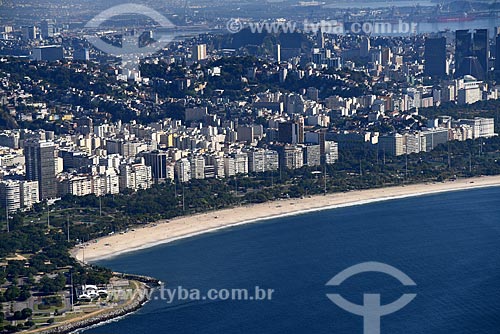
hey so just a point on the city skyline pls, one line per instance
(128, 125)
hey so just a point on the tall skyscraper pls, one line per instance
(481, 48)
(160, 165)
(199, 52)
(81, 54)
(277, 54)
(41, 167)
(471, 44)
(435, 57)
(47, 28)
(463, 45)
(29, 33)
(497, 56)
(472, 66)
(364, 48)
(386, 56)
(320, 39)
(291, 132)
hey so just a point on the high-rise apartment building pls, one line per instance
(391, 144)
(471, 53)
(291, 157)
(161, 167)
(47, 53)
(199, 52)
(497, 56)
(435, 57)
(291, 132)
(47, 28)
(41, 167)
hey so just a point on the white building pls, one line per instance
(15, 195)
(29, 194)
(135, 176)
(469, 90)
(218, 163)
(241, 163)
(183, 170)
(197, 167)
(331, 152)
(111, 181)
(262, 160)
(10, 195)
(481, 127)
(292, 157)
(434, 137)
(199, 52)
(76, 185)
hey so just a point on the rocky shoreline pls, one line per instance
(141, 298)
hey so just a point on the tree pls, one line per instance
(29, 323)
(12, 293)
(17, 315)
(26, 313)
(48, 285)
(24, 294)
(10, 329)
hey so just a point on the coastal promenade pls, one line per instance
(93, 318)
(187, 226)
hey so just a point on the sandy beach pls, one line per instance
(183, 227)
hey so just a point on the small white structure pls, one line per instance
(90, 292)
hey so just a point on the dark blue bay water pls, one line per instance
(449, 244)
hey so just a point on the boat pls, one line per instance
(456, 17)
(445, 19)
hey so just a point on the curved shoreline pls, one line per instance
(99, 317)
(164, 232)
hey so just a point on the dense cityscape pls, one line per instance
(222, 117)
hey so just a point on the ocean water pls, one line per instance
(449, 244)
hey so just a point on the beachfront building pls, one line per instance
(218, 163)
(111, 181)
(262, 160)
(312, 155)
(30, 194)
(331, 153)
(291, 157)
(197, 167)
(236, 163)
(76, 185)
(41, 166)
(161, 165)
(435, 137)
(413, 143)
(481, 127)
(135, 176)
(183, 170)
(391, 144)
(10, 195)
(15, 194)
